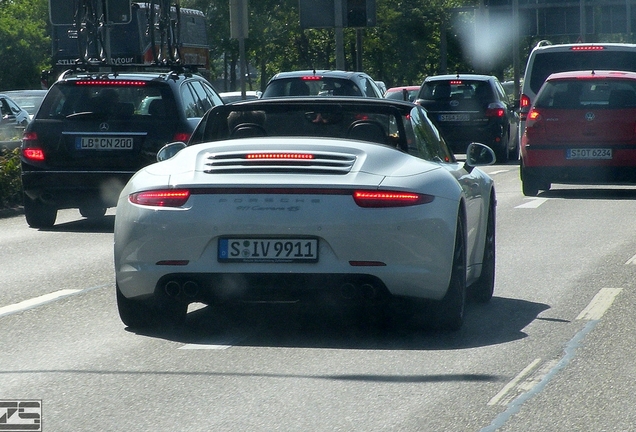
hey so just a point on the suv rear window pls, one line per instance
(587, 94)
(126, 100)
(312, 86)
(547, 63)
(459, 89)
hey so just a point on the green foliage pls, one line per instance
(25, 48)
(10, 183)
(403, 48)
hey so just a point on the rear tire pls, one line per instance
(529, 183)
(448, 313)
(482, 290)
(39, 214)
(144, 314)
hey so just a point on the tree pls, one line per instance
(402, 48)
(25, 49)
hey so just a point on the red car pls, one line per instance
(581, 129)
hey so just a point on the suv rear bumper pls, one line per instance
(581, 174)
(75, 189)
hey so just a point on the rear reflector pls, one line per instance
(372, 199)
(161, 198)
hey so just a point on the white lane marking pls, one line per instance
(632, 260)
(514, 406)
(37, 301)
(533, 203)
(204, 347)
(599, 304)
(498, 172)
(515, 381)
(527, 379)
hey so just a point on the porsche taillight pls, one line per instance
(160, 198)
(31, 149)
(374, 199)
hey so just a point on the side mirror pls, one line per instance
(479, 154)
(169, 150)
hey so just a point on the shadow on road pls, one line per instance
(625, 193)
(104, 224)
(502, 320)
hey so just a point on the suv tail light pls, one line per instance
(494, 110)
(524, 105)
(31, 149)
(181, 136)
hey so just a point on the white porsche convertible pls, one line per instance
(284, 199)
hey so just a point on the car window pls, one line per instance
(424, 139)
(311, 120)
(67, 99)
(572, 94)
(371, 89)
(190, 101)
(501, 93)
(312, 86)
(213, 96)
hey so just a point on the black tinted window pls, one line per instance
(547, 63)
(460, 90)
(312, 86)
(585, 94)
(120, 100)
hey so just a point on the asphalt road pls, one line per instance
(552, 351)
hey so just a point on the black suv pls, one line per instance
(95, 130)
(322, 83)
(472, 108)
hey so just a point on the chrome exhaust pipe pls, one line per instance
(368, 291)
(348, 291)
(190, 289)
(172, 288)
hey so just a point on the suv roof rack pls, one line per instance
(118, 69)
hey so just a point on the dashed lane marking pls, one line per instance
(534, 377)
(36, 301)
(599, 304)
(532, 203)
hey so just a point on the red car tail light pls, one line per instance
(374, 199)
(587, 48)
(292, 156)
(161, 198)
(31, 147)
(524, 103)
(494, 110)
(120, 83)
(181, 137)
(311, 78)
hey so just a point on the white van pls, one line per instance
(546, 59)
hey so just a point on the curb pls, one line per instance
(10, 212)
